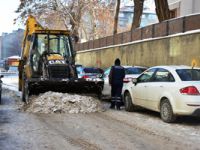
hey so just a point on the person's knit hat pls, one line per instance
(117, 62)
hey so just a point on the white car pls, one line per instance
(130, 71)
(170, 90)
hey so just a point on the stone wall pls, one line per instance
(182, 49)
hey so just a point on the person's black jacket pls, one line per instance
(116, 76)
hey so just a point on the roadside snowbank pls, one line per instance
(54, 102)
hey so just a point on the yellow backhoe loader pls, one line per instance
(47, 62)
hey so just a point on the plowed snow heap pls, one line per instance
(53, 102)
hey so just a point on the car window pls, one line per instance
(107, 71)
(189, 74)
(133, 70)
(163, 75)
(92, 70)
(147, 75)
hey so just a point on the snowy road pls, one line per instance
(106, 129)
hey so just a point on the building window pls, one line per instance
(173, 13)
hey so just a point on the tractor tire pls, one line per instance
(25, 90)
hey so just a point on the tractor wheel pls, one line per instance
(25, 90)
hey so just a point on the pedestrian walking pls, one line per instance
(116, 76)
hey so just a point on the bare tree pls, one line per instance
(89, 19)
(138, 9)
(116, 17)
(69, 10)
(162, 10)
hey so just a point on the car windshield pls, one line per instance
(92, 70)
(189, 74)
(107, 71)
(133, 70)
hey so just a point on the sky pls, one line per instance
(7, 15)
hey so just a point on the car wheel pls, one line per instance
(128, 102)
(99, 93)
(166, 111)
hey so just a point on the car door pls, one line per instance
(160, 82)
(139, 89)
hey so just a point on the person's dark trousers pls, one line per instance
(116, 91)
(113, 91)
(118, 96)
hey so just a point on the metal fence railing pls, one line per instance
(169, 27)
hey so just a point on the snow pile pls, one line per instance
(53, 102)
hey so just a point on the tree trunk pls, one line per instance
(75, 19)
(116, 16)
(138, 9)
(162, 10)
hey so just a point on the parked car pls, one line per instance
(170, 90)
(89, 73)
(90, 80)
(130, 71)
(1, 76)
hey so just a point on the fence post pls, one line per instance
(167, 28)
(141, 33)
(153, 30)
(183, 28)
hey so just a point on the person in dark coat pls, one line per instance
(116, 76)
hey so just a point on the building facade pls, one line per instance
(127, 12)
(11, 43)
(180, 8)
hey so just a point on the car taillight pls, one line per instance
(85, 77)
(126, 80)
(190, 90)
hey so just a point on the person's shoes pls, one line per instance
(112, 107)
(118, 108)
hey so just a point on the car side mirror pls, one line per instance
(1, 76)
(134, 81)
